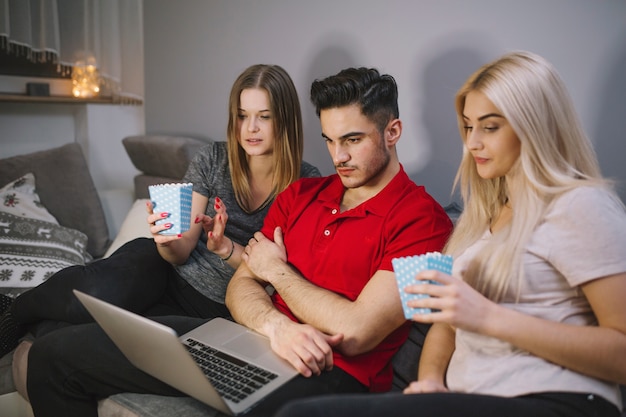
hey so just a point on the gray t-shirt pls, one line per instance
(210, 176)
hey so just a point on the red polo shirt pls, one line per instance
(342, 251)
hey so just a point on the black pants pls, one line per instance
(135, 277)
(452, 405)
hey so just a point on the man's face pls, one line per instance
(358, 149)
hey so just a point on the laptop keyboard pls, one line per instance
(233, 378)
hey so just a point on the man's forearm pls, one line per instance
(248, 302)
(364, 322)
(308, 302)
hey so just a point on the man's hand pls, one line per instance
(264, 257)
(304, 347)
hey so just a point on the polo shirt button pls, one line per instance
(326, 232)
(334, 211)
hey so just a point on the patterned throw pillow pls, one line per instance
(33, 246)
(32, 250)
(19, 198)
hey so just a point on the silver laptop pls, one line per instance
(227, 349)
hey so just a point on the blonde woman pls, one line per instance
(532, 321)
(234, 183)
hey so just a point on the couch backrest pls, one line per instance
(161, 159)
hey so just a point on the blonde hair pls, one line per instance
(287, 124)
(555, 157)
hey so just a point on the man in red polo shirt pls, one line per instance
(318, 279)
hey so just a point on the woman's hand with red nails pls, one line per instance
(152, 218)
(214, 227)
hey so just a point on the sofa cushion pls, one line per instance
(143, 181)
(66, 189)
(33, 245)
(147, 405)
(161, 156)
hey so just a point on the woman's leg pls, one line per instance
(134, 277)
(450, 405)
(182, 299)
(5, 302)
(70, 369)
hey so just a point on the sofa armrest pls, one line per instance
(134, 226)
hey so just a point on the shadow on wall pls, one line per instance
(442, 76)
(328, 61)
(608, 135)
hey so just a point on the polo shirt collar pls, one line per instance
(379, 205)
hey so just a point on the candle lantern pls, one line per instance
(85, 79)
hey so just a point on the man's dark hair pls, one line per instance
(376, 94)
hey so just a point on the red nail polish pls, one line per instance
(217, 200)
(164, 215)
(217, 207)
(168, 225)
(179, 235)
(197, 220)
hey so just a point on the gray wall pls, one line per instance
(194, 49)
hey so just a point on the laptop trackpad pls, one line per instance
(248, 345)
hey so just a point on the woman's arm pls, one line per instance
(597, 351)
(433, 364)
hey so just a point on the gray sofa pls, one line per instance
(62, 175)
